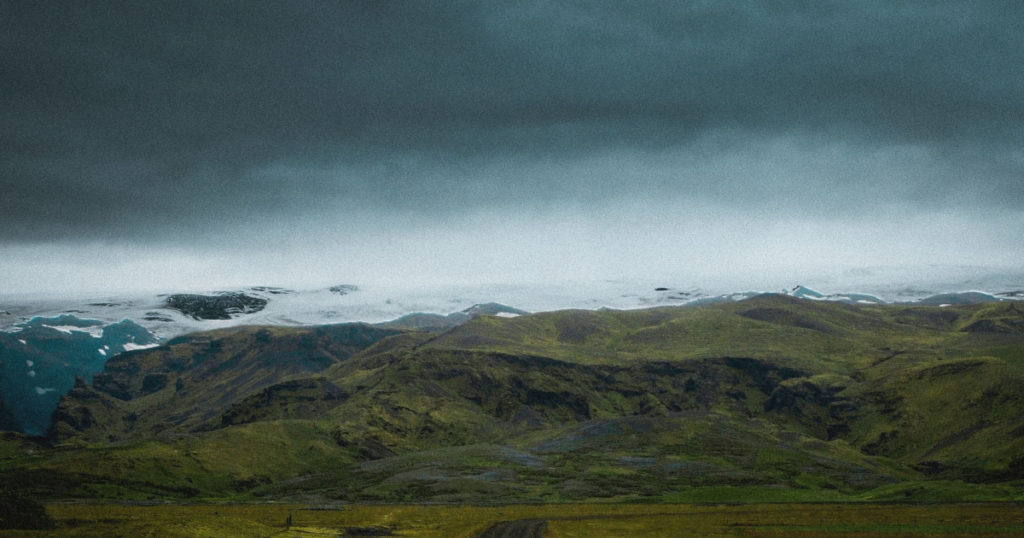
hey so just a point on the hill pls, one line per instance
(771, 398)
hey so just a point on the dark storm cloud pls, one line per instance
(146, 119)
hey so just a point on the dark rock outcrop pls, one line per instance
(301, 398)
(343, 289)
(222, 306)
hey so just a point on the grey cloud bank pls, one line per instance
(245, 141)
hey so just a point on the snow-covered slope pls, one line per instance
(171, 314)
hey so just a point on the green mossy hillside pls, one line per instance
(768, 398)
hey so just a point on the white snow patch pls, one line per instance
(95, 331)
(507, 315)
(23, 342)
(102, 351)
(31, 373)
(40, 390)
(130, 346)
(29, 363)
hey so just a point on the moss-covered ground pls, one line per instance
(562, 520)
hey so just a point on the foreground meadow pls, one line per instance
(555, 521)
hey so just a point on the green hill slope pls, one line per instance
(188, 384)
(772, 398)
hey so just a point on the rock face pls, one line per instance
(301, 398)
(84, 407)
(221, 306)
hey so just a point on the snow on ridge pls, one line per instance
(132, 346)
(381, 303)
(96, 331)
(41, 391)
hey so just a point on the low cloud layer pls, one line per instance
(485, 140)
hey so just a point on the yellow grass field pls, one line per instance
(562, 520)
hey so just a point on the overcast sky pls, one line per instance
(169, 144)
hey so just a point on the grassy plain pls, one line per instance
(563, 520)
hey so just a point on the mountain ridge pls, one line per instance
(173, 314)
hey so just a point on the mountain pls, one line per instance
(852, 298)
(40, 364)
(41, 358)
(168, 315)
(966, 297)
(420, 321)
(772, 397)
(800, 292)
